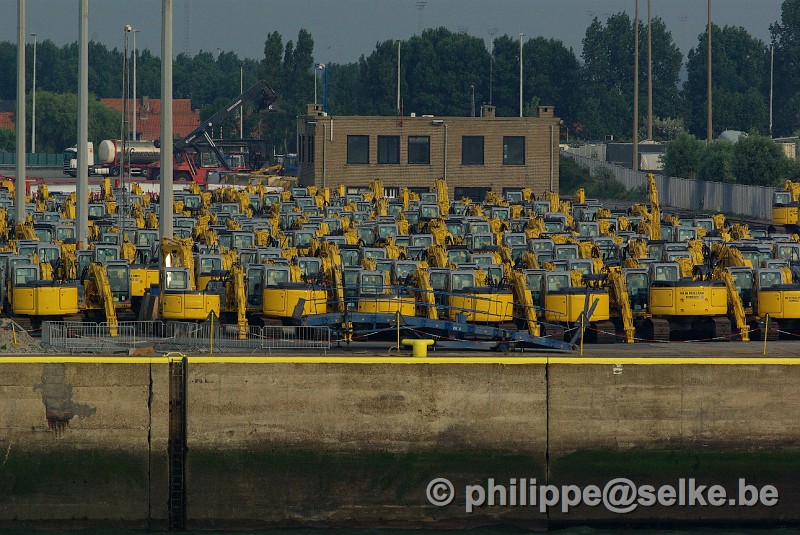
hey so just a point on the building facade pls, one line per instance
(474, 154)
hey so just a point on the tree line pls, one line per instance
(441, 70)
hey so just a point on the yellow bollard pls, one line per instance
(766, 331)
(419, 346)
(582, 331)
(14, 332)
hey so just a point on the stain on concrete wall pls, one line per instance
(57, 398)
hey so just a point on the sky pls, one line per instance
(343, 30)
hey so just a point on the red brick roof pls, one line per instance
(7, 120)
(148, 120)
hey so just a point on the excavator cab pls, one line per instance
(375, 295)
(637, 283)
(281, 296)
(784, 208)
(105, 253)
(40, 299)
(743, 281)
(477, 303)
(179, 302)
(778, 297)
(565, 303)
(788, 251)
(205, 266)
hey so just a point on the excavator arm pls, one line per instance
(102, 292)
(734, 302)
(522, 295)
(619, 292)
(422, 281)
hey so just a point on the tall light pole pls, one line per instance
(19, 192)
(709, 124)
(636, 88)
(649, 75)
(520, 74)
(473, 99)
(241, 108)
(33, 107)
(771, 65)
(318, 67)
(135, 132)
(398, 76)
(492, 33)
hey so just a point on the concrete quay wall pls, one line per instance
(282, 442)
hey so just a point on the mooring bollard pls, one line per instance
(419, 346)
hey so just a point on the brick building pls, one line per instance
(148, 116)
(474, 154)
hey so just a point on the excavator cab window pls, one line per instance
(177, 280)
(277, 277)
(104, 254)
(119, 282)
(457, 256)
(460, 281)
(782, 197)
(64, 233)
(556, 283)
(25, 275)
(207, 265)
(743, 281)
(372, 284)
(788, 252)
(768, 279)
(666, 273)
(566, 253)
(637, 290)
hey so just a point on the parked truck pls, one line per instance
(138, 156)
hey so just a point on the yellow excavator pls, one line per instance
(566, 303)
(179, 297)
(785, 206)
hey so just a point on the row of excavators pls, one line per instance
(512, 270)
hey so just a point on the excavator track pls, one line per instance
(773, 332)
(657, 329)
(721, 329)
(605, 332)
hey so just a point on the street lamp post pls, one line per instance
(135, 132)
(318, 67)
(241, 108)
(33, 108)
(473, 99)
(520, 74)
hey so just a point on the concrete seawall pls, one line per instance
(282, 442)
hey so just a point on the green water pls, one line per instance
(480, 531)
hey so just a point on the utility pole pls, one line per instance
(709, 124)
(166, 198)
(771, 65)
(20, 174)
(649, 75)
(82, 176)
(135, 132)
(473, 99)
(492, 33)
(33, 107)
(520, 74)
(398, 76)
(636, 88)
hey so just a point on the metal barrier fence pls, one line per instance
(34, 159)
(181, 336)
(753, 201)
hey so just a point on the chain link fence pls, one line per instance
(161, 336)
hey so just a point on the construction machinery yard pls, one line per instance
(261, 267)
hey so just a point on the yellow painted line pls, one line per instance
(364, 360)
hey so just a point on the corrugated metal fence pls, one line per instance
(33, 159)
(750, 201)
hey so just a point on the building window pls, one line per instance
(301, 145)
(472, 150)
(513, 150)
(357, 149)
(389, 149)
(419, 150)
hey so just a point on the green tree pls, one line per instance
(8, 140)
(608, 53)
(740, 81)
(57, 116)
(716, 163)
(682, 156)
(759, 161)
(786, 36)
